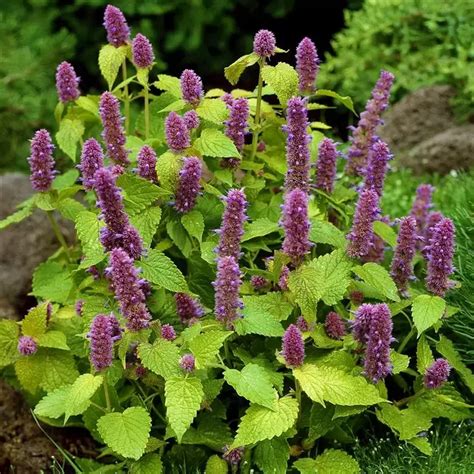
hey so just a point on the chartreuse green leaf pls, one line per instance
(211, 431)
(332, 461)
(234, 71)
(328, 384)
(53, 405)
(424, 356)
(148, 464)
(69, 135)
(213, 110)
(426, 311)
(206, 346)
(167, 168)
(161, 270)
(252, 383)
(34, 323)
(400, 362)
(168, 83)
(193, 222)
(138, 193)
(88, 227)
(272, 455)
(283, 79)
(378, 278)
(259, 228)
(422, 444)
(183, 397)
(16, 217)
(53, 339)
(51, 281)
(385, 232)
(9, 332)
(446, 348)
(161, 357)
(146, 222)
(407, 423)
(216, 465)
(89, 103)
(320, 422)
(260, 423)
(126, 433)
(326, 233)
(344, 100)
(214, 143)
(110, 60)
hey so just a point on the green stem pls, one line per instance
(59, 235)
(404, 401)
(405, 341)
(98, 407)
(147, 112)
(126, 97)
(298, 396)
(258, 107)
(107, 396)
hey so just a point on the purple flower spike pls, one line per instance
(232, 227)
(147, 163)
(118, 231)
(326, 166)
(227, 286)
(334, 325)
(377, 247)
(297, 145)
(79, 307)
(377, 363)
(177, 133)
(421, 206)
(361, 324)
(402, 266)
(191, 119)
(307, 65)
(437, 374)
(264, 43)
(440, 252)
(188, 308)
(191, 87)
(236, 126)
(434, 218)
(67, 82)
(293, 346)
(296, 224)
(370, 119)
(27, 346)
(234, 456)
(258, 282)
(187, 363)
(128, 290)
(168, 332)
(41, 161)
(113, 134)
(142, 52)
(188, 184)
(379, 156)
(361, 235)
(302, 324)
(92, 159)
(104, 331)
(118, 32)
(283, 280)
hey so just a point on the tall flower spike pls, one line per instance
(402, 262)
(307, 65)
(232, 227)
(118, 231)
(142, 52)
(236, 126)
(293, 346)
(377, 363)
(113, 133)
(326, 166)
(369, 120)
(27, 346)
(434, 218)
(147, 163)
(191, 87)
(264, 43)
(189, 309)
(67, 82)
(177, 133)
(227, 286)
(440, 252)
(362, 233)
(104, 331)
(188, 184)
(334, 325)
(118, 32)
(92, 159)
(361, 324)
(41, 161)
(377, 246)
(297, 145)
(128, 290)
(379, 156)
(437, 374)
(421, 206)
(191, 119)
(296, 225)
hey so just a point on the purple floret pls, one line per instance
(41, 161)
(27, 346)
(326, 166)
(67, 82)
(177, 133)
(264, 43)
(335, 326)
(188, 308)
(361, 324)
(147, 163)
(258, 282)
(234, 456)
(307, 65)
(187, 363)
(142, 52)
(437, 374)
(168, 332)
(118, 32)
(378, 158)
(104, 331)
(92, 159)
(191, 87)
(293, 347)
(191, 119)
(237, 125)
(189, 186)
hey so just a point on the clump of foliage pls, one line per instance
(222, 306)
(422, 42)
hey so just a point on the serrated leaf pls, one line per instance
(378, 278)
(52, 282)
(70, 208)
(344, 100)
(53, 405)
(259, 228)
(326, 233)
(272, 456)
(9, 332)
(234, 71)
(180, 237)
(206, 346)
(168, 83)
(175, 106)
(283, 79)
(69, 135)
(16, 217)
(385, 232)
(146, 222)
(252, 383)
(126, 433)
(161, 270)
(400, 362)
(34, 323)
(335, 386)
(193, 222)
(110, 60)
(53, 339)
(426, 311)
(214, 143)
(183, 398)
(89, 103)
(213, 110)
(320, 422)
(80, 393)
(211, 431)
(260, 423)
(207, 251)
(161, 357)
(88, 228)
(167, 169)
(216, 465)
(148, 464)
(332, 461)
(422, 444)
(406, 423)
(424, 356)
(138, 193)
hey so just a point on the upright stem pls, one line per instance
(107, 395)
(256, 131)
(405, 341)
(298, 396)
(126, 97)
(59, 235)
(147, 112)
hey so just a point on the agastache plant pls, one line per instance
(292, 349)
(118, 32)
(177, 133)
(188, 184)
(104, 332)
(191, 87)
(422, 205)
(436, 374)
(379, 156)
(142, 52)
(67, 82)
(307, 65)
(92, 159)
(41, 161)
(146, 160)
(326, 166)
(236, 126)
(264, 43)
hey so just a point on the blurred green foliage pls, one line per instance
(423, 42)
